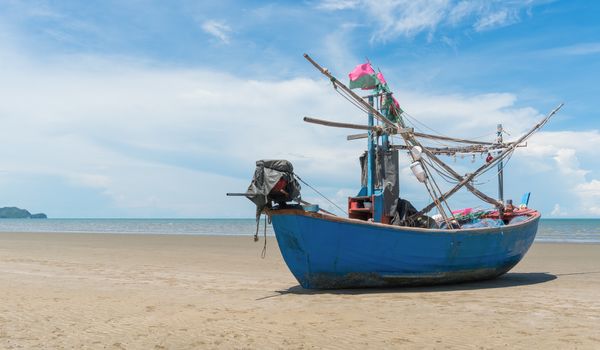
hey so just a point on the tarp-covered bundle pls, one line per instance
(385, 178)
(406, 216)
(273, 181)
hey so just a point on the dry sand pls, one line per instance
(187, 292)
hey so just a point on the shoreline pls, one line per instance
(241, 235)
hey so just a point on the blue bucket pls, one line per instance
(313, 208)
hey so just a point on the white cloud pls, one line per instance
(469, 115)
(218, 29)
(589, 193)
(494, 20)
(566, 148)
(408, 18)
(568, 164)
(548, 143)
(90, 180)
(333, 5)
(156, 141)
(336, 47)
(591, 188)
(557, 211)
(580, 49)
(152, 139)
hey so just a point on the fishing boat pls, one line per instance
(384, 240)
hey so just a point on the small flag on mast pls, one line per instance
(363, 76)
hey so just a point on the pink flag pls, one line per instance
(360, 70)
(363, 76)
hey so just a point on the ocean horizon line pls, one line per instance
(579, 230)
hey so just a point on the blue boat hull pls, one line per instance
(325, 252)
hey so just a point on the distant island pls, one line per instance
(18, 213)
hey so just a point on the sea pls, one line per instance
(550, 230)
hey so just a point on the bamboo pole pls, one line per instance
(342, 125)
(449, 150)
(445, 138)
(501, 156)
(357, 136)
(453, 139)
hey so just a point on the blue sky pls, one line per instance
(156, 109)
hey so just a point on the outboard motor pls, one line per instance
(273, 181)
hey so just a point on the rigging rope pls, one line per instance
(320, 194)
(442, 172)
(485, 181)
(507, 157)
(411, 121)
(423, 124)
(264, 251)
(357, 105)
(434, 195)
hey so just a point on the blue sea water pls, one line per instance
(550, 230)
(221, 227)
(569, 230)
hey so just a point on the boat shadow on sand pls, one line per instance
(514, 279)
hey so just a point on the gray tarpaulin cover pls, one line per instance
(386, 177)
(266, 176)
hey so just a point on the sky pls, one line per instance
(157, 109)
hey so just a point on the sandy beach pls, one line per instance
(103, 291)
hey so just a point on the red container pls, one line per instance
(356, 205)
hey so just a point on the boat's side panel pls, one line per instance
(292, 247)
(332, 254)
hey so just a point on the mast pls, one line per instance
(371, 153)
(410, 138)
(389, 128)
(500, 168)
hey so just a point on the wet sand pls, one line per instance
(188, 292)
